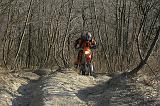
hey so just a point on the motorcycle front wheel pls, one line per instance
(91, 69)
(87, 69)
(82, 69)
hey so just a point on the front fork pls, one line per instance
(87, 69)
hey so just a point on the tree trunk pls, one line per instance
(23, 33)
(143, 61)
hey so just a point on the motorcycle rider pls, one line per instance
(86, 40)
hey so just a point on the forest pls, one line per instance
(37, 53)
(41, 33)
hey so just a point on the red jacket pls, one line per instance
(81, 43)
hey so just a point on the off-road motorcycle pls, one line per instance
(86, 66)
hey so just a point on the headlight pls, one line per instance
(90, 56)
(87, 52)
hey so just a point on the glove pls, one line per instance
(93, 47)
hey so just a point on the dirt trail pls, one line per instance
(17, 89)
(62, 88)
(67, 88)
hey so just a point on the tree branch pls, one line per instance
(143, 62)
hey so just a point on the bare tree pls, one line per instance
(41, 33)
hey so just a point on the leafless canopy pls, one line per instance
(41, 33)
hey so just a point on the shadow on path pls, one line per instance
(118, 91)
(29, 95)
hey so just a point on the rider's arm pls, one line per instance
(93, 44)
(77, 44)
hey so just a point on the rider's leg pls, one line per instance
(79, 58)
